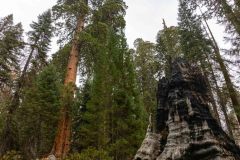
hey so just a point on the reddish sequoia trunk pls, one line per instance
(62, 140)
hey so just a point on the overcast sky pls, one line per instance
(144, 17)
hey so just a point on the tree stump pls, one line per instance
(186, 130)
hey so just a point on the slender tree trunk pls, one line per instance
(235, 127)
(230, 15)
(219, 94)
(214, 105)
(169, 58)
(62, 140)
(222, 105)
(230, 87)
(8, 137)
(237, 4)
(20, 83)
(231, 90)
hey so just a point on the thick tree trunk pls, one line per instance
(62, 140)
(186, 128)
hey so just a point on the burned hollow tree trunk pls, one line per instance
(186, 129)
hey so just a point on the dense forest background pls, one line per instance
(105, 116)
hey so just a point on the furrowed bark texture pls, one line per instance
(186, 129)
(61, 145)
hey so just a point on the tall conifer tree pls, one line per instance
(112, 115)
(74, 14)
(39, 41)
(11, 43)
(39, 113)
(195, 46)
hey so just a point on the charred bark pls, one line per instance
(185, 125)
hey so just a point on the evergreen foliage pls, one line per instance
(60, 60)
(111, 107)
(40, 39)
(66, 15)
(38, 113)
(227, 13)
(11, 43)
(193, 42)
(168, 47)
(147, 70)
(108, 112)
(90, 154)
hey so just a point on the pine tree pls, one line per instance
(201, 48)
(218, 58)
(39, 113)
(111, 117)
(193, 42)
(11, 43)
(223, 10)
(147, 70)
(195, 46)
(39, 40)
(168, 46)
(227, 13)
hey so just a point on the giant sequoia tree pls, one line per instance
(74, 13)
